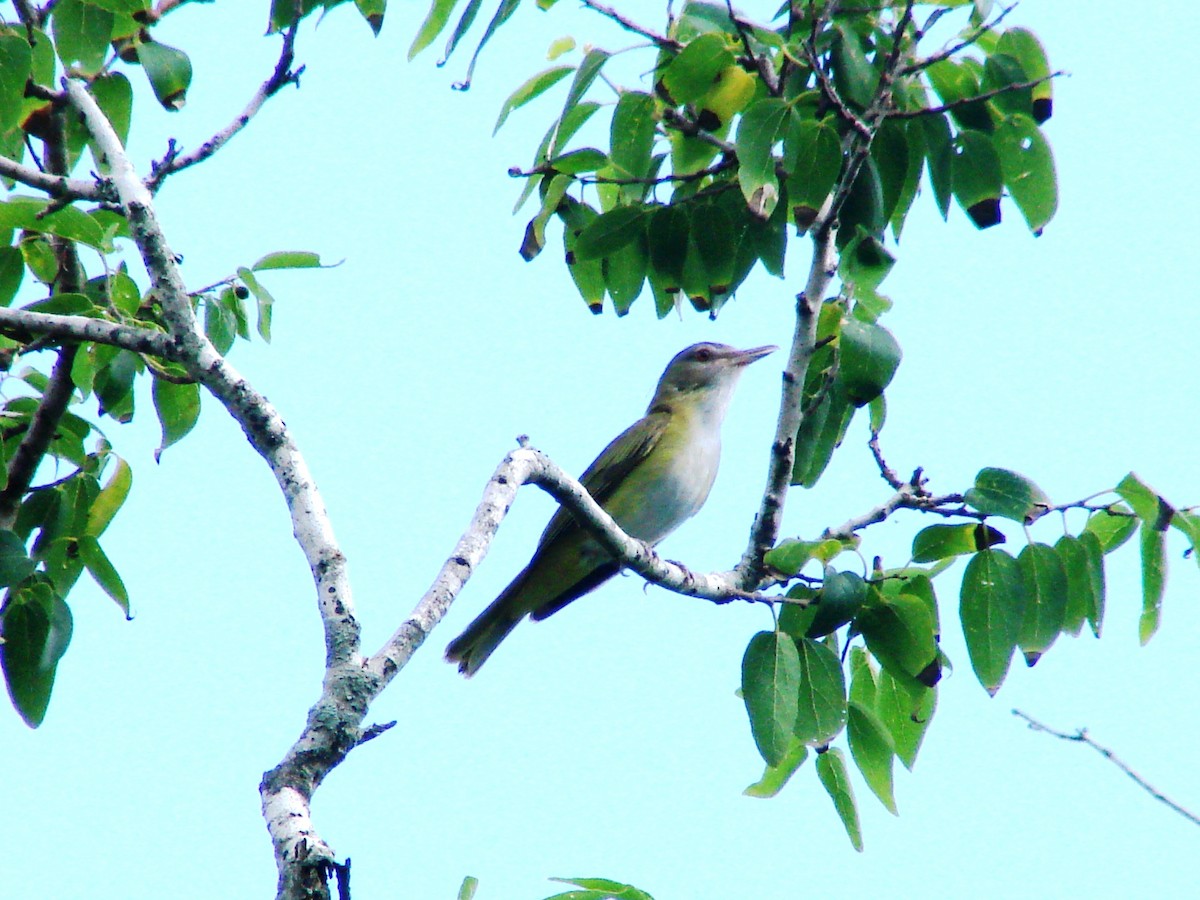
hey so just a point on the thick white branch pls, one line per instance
(82, 328)
(54, 185)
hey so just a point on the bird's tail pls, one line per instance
(472, 648)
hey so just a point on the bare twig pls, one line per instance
(885, 470)
(1082, 737)
(726, 163)
(967, 101)
(661, 41)
(283, 75)
(761, 62)
(58, 186)
(968, 41)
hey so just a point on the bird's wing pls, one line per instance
(626, 452)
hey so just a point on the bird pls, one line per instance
(655, 475)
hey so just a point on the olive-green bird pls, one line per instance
(655, 475)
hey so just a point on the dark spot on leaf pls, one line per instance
(985, 213)
(1043, 109)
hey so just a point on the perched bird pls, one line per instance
(656, 474)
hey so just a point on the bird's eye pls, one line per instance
(703, 354)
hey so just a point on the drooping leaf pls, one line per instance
(1095, 557)
(1046, 587)
(110, 499)
(28, 673)
(373, 11)
(813, 158)
(868, 356)
(533, 87)
(1153, 544)
(770, 682)
(872, 749)
(1112, 527)
(775, 777)
(15, 564)
(821, 706)
(694, 71)
(831, 769)
(839, 600)
(899, 631)
(266, 302)
(945, 541)
(1028, 167)
(906, 716)
(435, 21)
(1081, 601)
(103, 571)
(625, 273)
(762, 126)
(978, 178)
(992, 607)
(169, 71)
(81, 34)
(16, 59)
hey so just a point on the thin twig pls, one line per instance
(1082, 737)
(283, 75)
(961, 45)
(885, 470)
(661, 41)
(967, 101)
(761, 61)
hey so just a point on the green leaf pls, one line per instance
(69, 222)
(16, 60)
(609, 231)
(812, 156)
(717, 244)
(534, 87)
(906, 715)
(775, 777)
(992, 607)
(592, 63)
(435, 21)
(110, 499)
(872, 749)
(868, 356)
(863, 207)
(588, 275)
(1024, 46)
(1081, 601)
(36, 631)
(600, 889)
(1045, 583)
(266, 302)
(821, 700)
(1189, 525)
(1147, 503)
(864, 678)
(114, 96)
(770, 681)
(899, 632)
(692, 74)
(178, 408)
(288, 259)
(946, 541)
(761, 127)
(625, 273)
(1095, 554)
(587, 159)
(632, 135)
(956, 81)
(890, 151)
(169, 71)
(535, 231)
(865, 262)
(821, 432)
(15, 564)
(81, 34)
(102, 571)
(1028, 167)
(831, 769)
(372, 11)
(1112, 527)
(503, 13)
(978, 177)
(790, 556)
(1154, 579)
(12, 270)
(668, 236)
(1000, 492)
(939, 158)
(469, 885)
(839, 600)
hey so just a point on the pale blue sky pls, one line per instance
(608, 740)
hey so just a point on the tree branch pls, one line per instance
(1082, 737)
(58, 186)
(283, 75)
(967, 101)
(82, 328)
(660, 41)
(961, 45)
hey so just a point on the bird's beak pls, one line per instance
(745, 357)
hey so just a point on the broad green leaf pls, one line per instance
(592, 63)
(69, 222)
(939, 158)
(288, 259)
(956, 81)
(1154, 579)
(693, 73)
(821, 706)
(945, 541)
(373, 11)
(587, 159)
(717, 242)
(15, 564)
(435, 21)
(868, 356)
(831, 769)
(890, 151)
(978, 177)
(1147, 503)
(469, 885)
(114, 96)
(1095, 557)
(30, 678)
(912, 177)
(102, 571)
(900, 634)
(1000, 492)
(12, 270)
(863, 207)
(1023, 45)
(731, 92)
(853, 75)
(632, 135)
(992, 607)
(790, 556)
(1028, 167)
(625, 273)
(534, 87)
(169, 71)
(812, 155)
(1081, 601)
(588, 275)
(16, 59)
(770, 681)
(81, 34)
(668, 235)
(762, 126)
(1112, 527)
(794, 618)
(839, 600)
(535, 231)
(110, 499)
(906, 716)
(821, 432)
(775, 777)
(178, 408)
(865, 262)
(609, 231)
(1046, 586)
(872, 748)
